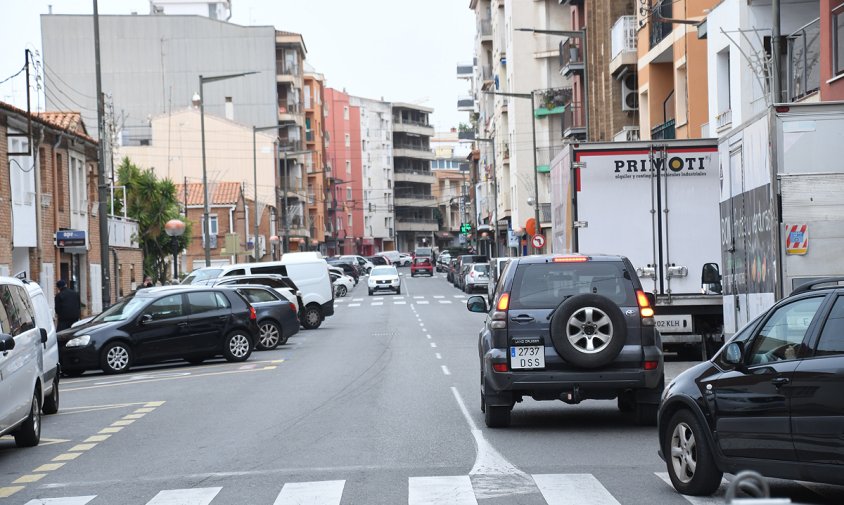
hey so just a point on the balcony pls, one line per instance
(724, 120)
(552, 101)
(665, 131)
(485, 29)
(410, 199)
(544, 157)
(574, 124)
(466, 104)
(465, 71)
(416, 224)
(290, 145)
(309, 137)
(412, 151)
(571, 56)
(803, 72)
(290, 113)
(659, 28)
(623, 49)
(413, 127)
(287, 71)
(413, 175)
(122, 232)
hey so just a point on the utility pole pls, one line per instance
(102, 189)
(776, 50)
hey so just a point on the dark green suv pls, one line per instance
(569, 328)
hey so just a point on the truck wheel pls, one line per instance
(588, 330)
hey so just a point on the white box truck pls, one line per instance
(655, 202)
(782, 205)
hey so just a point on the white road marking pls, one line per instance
(573, 489)
(398, 298)
(428, 335)
(72, 500)
(447, 490)
(357, 299)
(716, 499)
(445, 301)
(459, 296)
(422, 302)
(439, 296)
(354, 305)
(439, 356)
(378, 298)
(198, 496)
(328, 492)
(399, 303)
(445, 370)
(433, 345)
(377, 303)
(418, 297)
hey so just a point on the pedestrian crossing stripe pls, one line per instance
(555, 489)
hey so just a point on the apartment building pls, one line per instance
(345, 189)
(315, 165)
(49, 199)
(377, 177)
(672, 69)
(413, 195)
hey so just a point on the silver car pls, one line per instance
(476, 277)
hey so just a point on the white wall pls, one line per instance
(377, 165)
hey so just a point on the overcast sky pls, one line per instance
(396, 49)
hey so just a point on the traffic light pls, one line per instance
(465, 228)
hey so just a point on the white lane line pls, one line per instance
(715, 499)
(447, 490)
(354, 305)
(573, 489)
(377, 303)
(445, 370)
(439, 356)
(422, 302)
(428, 335)
(433, 345)
(378, 298)
(328, 492)
(422, 324)
(399, 303)
(357, 299)
(459, 296)
(445, 301)
(439, 296)
(198, 496)
(70, 500)
(418, 297)
(398, 298)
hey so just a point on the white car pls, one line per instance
(342, 284)
(405, 259)
(360, 260)
(384, 278)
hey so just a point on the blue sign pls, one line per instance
(70, 238)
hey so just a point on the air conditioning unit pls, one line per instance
(629, 93)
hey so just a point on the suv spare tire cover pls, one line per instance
(588, 330)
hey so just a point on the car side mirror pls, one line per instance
(7, 342)
(651, 298)
(43, 335)
(146, 318)
(734, 354)
(710, 274)
(477, 304)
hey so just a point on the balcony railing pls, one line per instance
(309, 136)
(465, 103)
(623, 36)
(804, 55)
(289, 108)
(573, 119)
(414, 196)
(664, 131)
(414, 122)
(424, 220)
(411, 170)
(290, 145)
(287, 68)
(412, 147)
(723, 119)
(571, 55)
(662, 9)
(485, 27)
(465, 70)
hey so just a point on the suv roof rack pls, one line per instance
(818, 284)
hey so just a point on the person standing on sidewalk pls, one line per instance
(68, 306)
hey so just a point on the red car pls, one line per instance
(422, 265)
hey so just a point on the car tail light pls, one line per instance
(292, 307)
(503, 302)
(252, 314)
(570, 259)
(500, 367)
(651, 365)
(645, 309)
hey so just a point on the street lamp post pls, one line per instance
(206, 226)
(175, 228)
(535, 163)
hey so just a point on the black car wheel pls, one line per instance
(116, 358)
(342, 291)
(497, 416)
(269, 336)
(51, 402)
(398, 290)
(370, 292)
(28, 434)
(311, 317)
(688, 457)
(588, 330)
(237, 347)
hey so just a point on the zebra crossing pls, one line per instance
(377, 301)
(555, 489)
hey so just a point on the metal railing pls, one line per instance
(466, 102)
(414, 196)
(573, 117)
(414, 122)
(485, 27)
(309, 136)
(723, 119)
(287, 68)
(570, 52)
(804, 54)
(662, 9)
(412, 147)
(465, 70)
(623, 35)
(424, 220)
(290, 145)
(664, 131)
(289, 108)
(411, 170)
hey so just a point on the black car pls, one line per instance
(160, 323)
(378, 260)
(277, 319)
(457, 277)
(770, 400)
(452, 269)
(569, 328)
(348, 268)
(281, 283)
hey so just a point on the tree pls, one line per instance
(151, 202)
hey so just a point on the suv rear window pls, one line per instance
(544, 285)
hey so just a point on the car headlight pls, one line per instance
(79, 341)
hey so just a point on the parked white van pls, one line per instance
(50, 370)
(307, 269)
(21, 341)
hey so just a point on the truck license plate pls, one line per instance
(527, 357)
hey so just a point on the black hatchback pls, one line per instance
(569, 328)
(769, 401)
(161, 323)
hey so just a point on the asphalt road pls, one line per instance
(378, 406)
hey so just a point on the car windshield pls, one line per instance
(122, 310)
(481, 267)
(384, 270)
(203, 274)
(545, 285)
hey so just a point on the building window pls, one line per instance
(348, 140)
(348, 167)
(348, 194)
(60, 182)
(213, 229)
(838, 39)
(346, 112)
(350, 220)
(78, 186)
